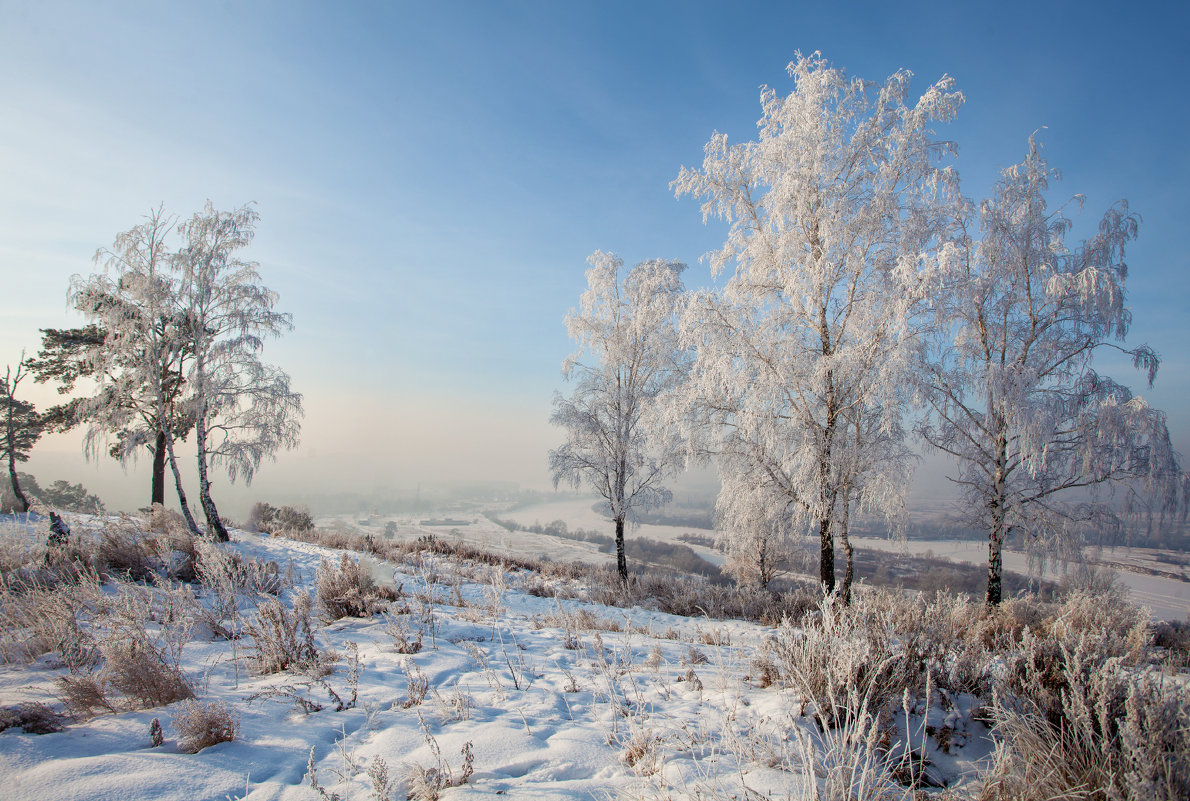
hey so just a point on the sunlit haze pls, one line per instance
(431, 178)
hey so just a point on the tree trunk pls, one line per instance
(826, 563)
(998, 532)
(995, 565)
(215, 525)
(762, 572)
(22, 502)
(158, 490)
(621, 559)
(849, 571)
(173, 464)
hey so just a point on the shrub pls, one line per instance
(123, 551)
(33, 717)
(347, 590)
(142, 673)
(1173, 637)
(282, 639)
(84, 696)
(842, 660)
(272, 520)
(201, 725)
(144, 668)
(1115, 733)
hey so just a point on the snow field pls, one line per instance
(483, 679)
(554, 699)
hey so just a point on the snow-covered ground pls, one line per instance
(554, 700)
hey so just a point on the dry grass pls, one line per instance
(201, 725)
(1117, 734)
(426, 783)
(642, 751)
(347, 590)
(38, 619)
(675, 594)
(124, 550)
(32, 717)
(281, 638)
(840, 657)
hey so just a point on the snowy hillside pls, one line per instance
(461, 679)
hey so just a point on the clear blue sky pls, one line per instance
(432, 176)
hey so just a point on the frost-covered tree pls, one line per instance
(135, 351)
(803, 352)
(22, 427)
(243, 409)
(627, 361)
(754, 526)
(1011, 394)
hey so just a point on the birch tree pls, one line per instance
(1036, 433)
(832, 212)
(244, 410)
(753, 525)
(627, 362)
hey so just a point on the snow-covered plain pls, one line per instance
(557, 699)
(1167, 597)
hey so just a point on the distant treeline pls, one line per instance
(692, 518)
(703, 517)
(704, 540)
(1173, 537)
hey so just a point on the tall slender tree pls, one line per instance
(243, 409)
(628, 361)
(803, 352)
(22, 427)
(1008, 382)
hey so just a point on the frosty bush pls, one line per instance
(125, 551)
(273, 520)
(201, 725)
(842, 660)
(36, 619)
(1111, 732)
(143, 674)
(347, 590)
(33, 717)
(142, 666)
(281, 638)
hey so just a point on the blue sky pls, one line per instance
(431, 177)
